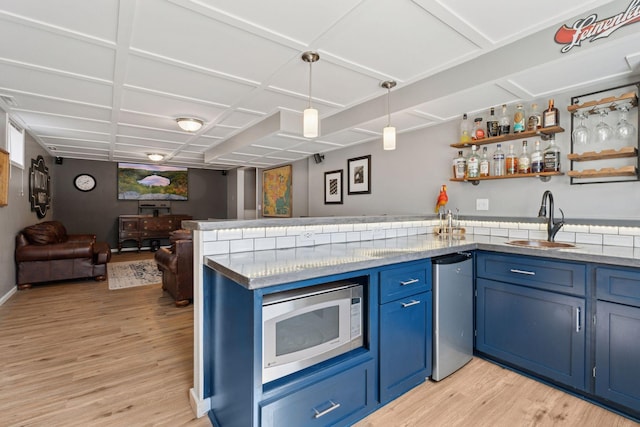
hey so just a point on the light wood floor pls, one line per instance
(78, 354)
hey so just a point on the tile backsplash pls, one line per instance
(217, 242)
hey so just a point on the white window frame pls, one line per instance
(15, 143)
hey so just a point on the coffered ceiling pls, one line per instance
(106, 79)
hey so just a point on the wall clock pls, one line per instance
(84, 182)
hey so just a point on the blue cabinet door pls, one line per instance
(405, 344)
(539, 331)
(618, 354)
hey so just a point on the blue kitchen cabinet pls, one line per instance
(405, 328)
(531, 327)
(617, 373)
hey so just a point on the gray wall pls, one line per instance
(17, 214)
(408, 180)
(97, 211)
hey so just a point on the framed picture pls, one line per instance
(333, 187)
(39, 187)
(4, 178)
(359, 175)
(277, 192)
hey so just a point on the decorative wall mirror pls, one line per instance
(39, 187)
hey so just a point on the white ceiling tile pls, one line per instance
(43, 132)
(286, 155)
(34, 103)
(164, 77)
(276, 142)
(398, 39)
(138, 142)
(175, 32)
(401, 121)
(239, 119)
(221, 131)
(257, 151)
(344, 138)
(74, 144)
(97, 18)
(143, 102)
(158, 134)
(50, 120)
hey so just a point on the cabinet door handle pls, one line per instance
(578, 323)
(528, 273)
(409, 282)
(409, 304)
(331, 408)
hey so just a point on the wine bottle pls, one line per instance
(493, 127)
(537, 159)
(498, 161)
(473, 163)
(519, 121)
(511, 161)
(535, 119)
(465, 129)
(551, 116)
(552, 156)
(484, 163)
(459, 166)
(505, 121)
(478, 132)
(524, 162)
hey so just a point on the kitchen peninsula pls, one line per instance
(242, 261)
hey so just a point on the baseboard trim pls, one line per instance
(8, 295)
(200, 407)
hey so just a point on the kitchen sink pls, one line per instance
(541, 244)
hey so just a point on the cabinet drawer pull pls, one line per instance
(409, 282)
(331, 408)
(528, 273)
(409, 304)
(578, 323)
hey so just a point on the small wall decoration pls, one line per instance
(277, 192)
(359, 175)
(4, 178)
(333, 187)
(39, 187)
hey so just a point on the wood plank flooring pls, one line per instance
(77, 354)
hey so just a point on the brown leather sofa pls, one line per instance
(45, 252)
(176, 264)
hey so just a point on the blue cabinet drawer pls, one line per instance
(557, 276)
(618, 285)
(403, 281)
(335, 401)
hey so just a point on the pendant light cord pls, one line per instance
(388, 106)
(310, 80)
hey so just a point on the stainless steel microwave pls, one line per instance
(306, 326)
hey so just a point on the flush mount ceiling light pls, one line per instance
(389, 132)
(155, 157)
(310, 119)
(189, 124)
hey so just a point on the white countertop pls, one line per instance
(259, 269)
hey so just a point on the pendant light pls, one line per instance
(310, 119)
(389, 132)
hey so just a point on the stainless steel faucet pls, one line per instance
(553, 226)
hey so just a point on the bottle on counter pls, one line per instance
(473, 163)
(537, 159)
(511, 162)
(478, 131)
(505, 121)
(524, 161)
(459, 166)
(551, 116)
(519, 119)
(493, 126)
(535, 119)
(485, 165)
(498, 161)
(465, 129)
(552, 156)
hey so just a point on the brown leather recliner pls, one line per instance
(45, 252)
(176, 264)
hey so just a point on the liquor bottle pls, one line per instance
(484, 163)
(551, 116)
(473, 163)
(459, 166)
(511, 162)
(537, 159)
(519, 120)
(552, 156)
(465, 129)
(505, 121)
(524, 162)
(493, 127)
(535, 119)
(498, 161)
(478, 132)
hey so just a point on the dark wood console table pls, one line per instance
(145, 227)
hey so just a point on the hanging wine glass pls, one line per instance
(625, 131)
(581, 132)
(604, 132)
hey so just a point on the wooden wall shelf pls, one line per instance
(611, 101)
(604, 154)
(511, 137)
(519, 175)
(604, 172)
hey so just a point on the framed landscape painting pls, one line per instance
(277, 192)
